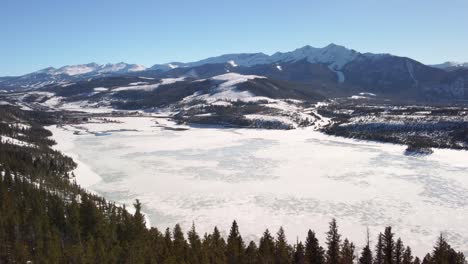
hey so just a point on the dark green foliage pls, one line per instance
(266, 249)
(417, 261)
(347, 252)
(251, 253)
(407, 256)
(314, 253)
(333, 244)
(366, 255)
(235, 246)
(399, 251)
(388, 246)
(443, 253)
(299, 254)
(195, 254)
(215, 247)
(379, 256)
(282, 249)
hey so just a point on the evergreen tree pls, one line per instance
(235, 246)
(379, 256)
(168, 246)
(215, 248)
(347, 252)
(179, 245)
(195, 247)
(282, 249)
(366, 253)
(399, 250)
(138, 219)
(314, 253)
(388, 248)
(427, 259)
(417, 260)
(407, 256)
(333, 244)
(251, 253)
(443, 253)
(266, 249)
(299, 254)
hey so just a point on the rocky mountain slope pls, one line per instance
(332, 71)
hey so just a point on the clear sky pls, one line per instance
(36, 34)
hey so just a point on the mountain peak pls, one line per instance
(335, 46)
(334, 55)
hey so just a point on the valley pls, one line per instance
(295, 178)
(291, 139)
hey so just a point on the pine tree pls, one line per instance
(179, 245)
(195, 249)
(138, 219)
(379, 256)
(388, 248)
(427, 259)
(444, 253)
(333, 244)
(416, 261)
(299, 254)
(366, 253)
(314, 253)
(347, 252)
(407, 256)
(251, 253)
(235, 246)
(216, 248)
(399, 250)
(282, 249)
(266, 248)
(440, 254)
(168, 247)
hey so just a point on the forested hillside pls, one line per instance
(46, 218)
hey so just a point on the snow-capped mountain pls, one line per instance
(451, 65)
(93, 68)
(333, 70)
(333, 55)
(69, 74)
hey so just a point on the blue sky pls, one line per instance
(37, 34)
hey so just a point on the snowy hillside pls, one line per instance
(451, 65)
(334, 55)
(93, 68)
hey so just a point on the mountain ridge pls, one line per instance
(332, 70)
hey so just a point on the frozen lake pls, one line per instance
(297, 179)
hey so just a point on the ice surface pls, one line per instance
(298, 179)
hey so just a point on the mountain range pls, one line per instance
(330, 71)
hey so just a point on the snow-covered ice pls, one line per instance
(298, 179)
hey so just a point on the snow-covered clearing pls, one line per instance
(298, 179)
(14, 141)
(143, 86)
